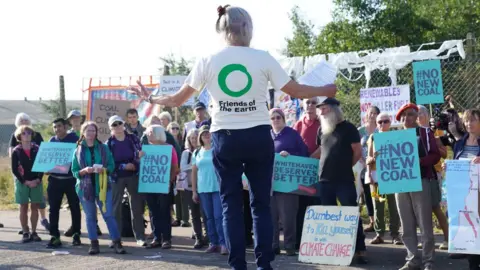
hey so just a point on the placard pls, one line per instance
(397, 162)
(427, 76)
(170, 84)
(388, 99)
(54, 157)
(155, 168)
(103, 110)
(294, 174)
(329, 235)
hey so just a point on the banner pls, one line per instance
(427, 76)
(170, 85)
(54, 157)
(155, 168)
(462, 200)
(103, 110)
(297, 175)
(329, 235)
(388, 99)
(397, 162)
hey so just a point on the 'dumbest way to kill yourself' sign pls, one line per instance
(54, 157)
(155, 169)
(329, 235)
(397, 162)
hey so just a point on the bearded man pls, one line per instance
(339, 141)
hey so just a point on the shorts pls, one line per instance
(24, 194)
(436, 193)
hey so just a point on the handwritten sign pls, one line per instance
(388, 99)
(427, 76)
(170, 85)
(155, 169)
(103, 110)
(397, 163)
(54, 157)
(297, 175)
(329, 234)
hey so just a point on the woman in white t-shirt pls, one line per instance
(237, 80)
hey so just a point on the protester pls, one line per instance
(284, 205)
(28, 184)
(435, 185)
(75, 120)
(155, 120)
(60, 184)
(165, 118)
(24, 119)
(206, 191)
(365, 132)
(469, 148)
(240, 127)
(92, 185)
(133, 125)
(159, 204)
(416, 207)
(307, 127)
(200, 111)
(125, 148)
(383, 125)
(185, 181)
(341, 149)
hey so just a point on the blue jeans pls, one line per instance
(251, 151)
(90, 210)
(212, 207)
(159, 207)
(347, 196)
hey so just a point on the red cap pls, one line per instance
(404, 108)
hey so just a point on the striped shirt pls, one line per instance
(470, 151)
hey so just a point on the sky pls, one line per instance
(41, 40)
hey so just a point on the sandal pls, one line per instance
(377, 240)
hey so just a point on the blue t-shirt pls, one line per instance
(207, 180)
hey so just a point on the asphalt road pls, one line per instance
(15, 255)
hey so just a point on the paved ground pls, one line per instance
(15, 255)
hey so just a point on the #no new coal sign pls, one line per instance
(427, 76)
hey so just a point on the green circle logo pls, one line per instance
(222, 80)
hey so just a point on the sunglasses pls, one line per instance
(311, 102)
(116, 124)
(175, 128)
(381, 122)
(276, 118)
(27, 133)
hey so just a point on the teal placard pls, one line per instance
(397, 162)
(297, 175)
(155, 169)
(54, 157)
(427, 76)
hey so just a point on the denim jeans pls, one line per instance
(212, 208)
(251, 151)
(159, 206)
(90, 210)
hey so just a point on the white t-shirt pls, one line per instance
(237, 80)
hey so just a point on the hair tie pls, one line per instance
(222, 10)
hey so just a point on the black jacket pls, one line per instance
(22, 164)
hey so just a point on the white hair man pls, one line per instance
(340, 150)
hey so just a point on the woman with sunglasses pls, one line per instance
(126, 148)
(90, 153)
(28, 184)
(383, 125)
(285, 206)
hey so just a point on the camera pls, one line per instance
(440, 121)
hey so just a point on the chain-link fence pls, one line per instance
(461, 81)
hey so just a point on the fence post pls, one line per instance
(63, 103)
(470, 50)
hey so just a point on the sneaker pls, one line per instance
(410, 266)
(26, 238)
(198, 244)
(185, 224)
(45, 225)
(167, 245)
(141, 243)
(69, 232)
(176, 223)
(224, 250)
(76, 240)
(35, 237)
(117, 245)
(154, 244)
(444, 245)
(212, 249)
(54, 242)
(397, 241)
(428, 266)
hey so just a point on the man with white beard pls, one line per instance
(339, 141)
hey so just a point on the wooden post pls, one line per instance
(63, 103)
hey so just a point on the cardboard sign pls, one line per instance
(54, 157)
(329, 235)
(427, 76)
(103, 110)
(297, 175)
(155, 169)
(397, 162)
